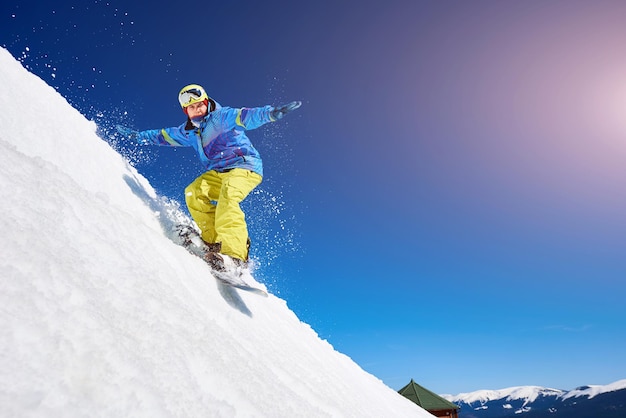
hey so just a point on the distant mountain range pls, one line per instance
(591, 401)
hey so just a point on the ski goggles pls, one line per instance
(190, 96)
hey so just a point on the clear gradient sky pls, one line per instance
(449, 203)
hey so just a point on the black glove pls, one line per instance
(281, 111)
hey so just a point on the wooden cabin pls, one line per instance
(429, 401)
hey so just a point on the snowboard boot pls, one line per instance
(240, 263)
(189, 238)
(215, 260)
(214, 247)
(224, 263)
(185, 234)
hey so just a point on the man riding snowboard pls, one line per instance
(233, 167)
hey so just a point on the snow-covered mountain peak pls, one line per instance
(531, 393)
(537, 401)
(591, 391)
(528, 393)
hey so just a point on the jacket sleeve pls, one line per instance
(245, 118)
(173, 137)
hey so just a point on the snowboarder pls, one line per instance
(233, 167)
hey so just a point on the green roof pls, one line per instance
(426, 399)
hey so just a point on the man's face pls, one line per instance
(196, 110)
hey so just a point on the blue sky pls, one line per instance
(448, 203)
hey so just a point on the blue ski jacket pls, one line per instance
(219, 138)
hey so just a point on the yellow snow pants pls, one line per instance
(213, 201)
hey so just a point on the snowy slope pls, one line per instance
(102, 315)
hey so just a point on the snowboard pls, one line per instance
(235, 280)
(190, 238)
